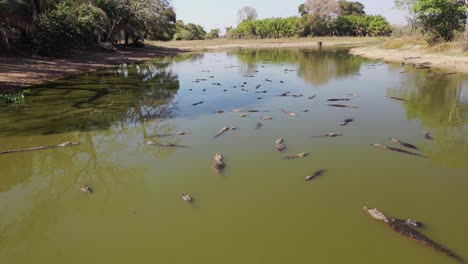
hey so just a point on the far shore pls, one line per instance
(23, 72)
(417, 56)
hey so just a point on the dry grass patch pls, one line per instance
(398, 43)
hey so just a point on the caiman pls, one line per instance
(298, 156)
(404, 144)
(346, 121)
(338, 99)
(343, 106)
(219, 163)
(409, 232)
(86, 189)
(167, 145)
(397, 150)
(288, 113)
(186, 198)
(315, 175)
(332, 134)
(222, 131)
(427, 135)
(279, 144)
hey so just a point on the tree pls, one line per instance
(247, 13)
(214, 33)
(407, 5)
(351, 8)
(324, 9)
(440, 18)
(302, 10)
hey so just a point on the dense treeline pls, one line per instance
(318, 18)
(51, 25)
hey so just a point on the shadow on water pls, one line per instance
(95, 101)
(437, 101)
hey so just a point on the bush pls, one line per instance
(440, 19)
(70, 25)
(268, 28)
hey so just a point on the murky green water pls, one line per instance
(260, 210)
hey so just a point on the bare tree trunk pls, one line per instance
(4, 38)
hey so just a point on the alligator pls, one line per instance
(266, 118)
(219, 163)
(343, 106)
(259, 124)
(346, 121)
(187, 198)
(404, 144)
(258, 86)
(332, 134)
(315, 175)
(279, 144)
(409, 232)
(166, 145)
(198, 103)
(427, 135)
(312, 97)
(284, 94)
(298, 156)
(262, 92)
(338, 99)
(86, 189)
(353, 95)
(268, 80)
(397, 150)
(243, 115)
(62, 145)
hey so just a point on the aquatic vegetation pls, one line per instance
(13, 98)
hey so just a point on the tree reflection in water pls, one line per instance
(315, 66)
(128, 94)
(436, 100)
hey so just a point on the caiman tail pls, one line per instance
(407, 231)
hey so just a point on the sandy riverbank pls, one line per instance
(416, 55)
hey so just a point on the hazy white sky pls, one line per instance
(222, 13)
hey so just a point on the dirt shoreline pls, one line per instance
(416, 56)
(18, 72)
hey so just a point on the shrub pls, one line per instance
(70, 25)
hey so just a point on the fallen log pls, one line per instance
(66, 144)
